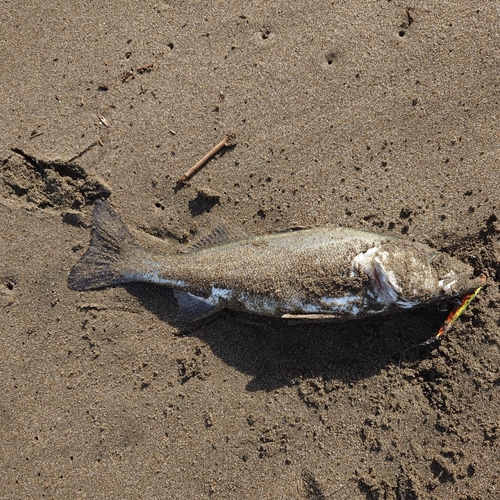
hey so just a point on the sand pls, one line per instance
(368, 115)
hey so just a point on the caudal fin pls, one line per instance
(111, 254)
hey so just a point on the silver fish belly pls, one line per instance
(312, 274)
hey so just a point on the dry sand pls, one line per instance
(361, 114)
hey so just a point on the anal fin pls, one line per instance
(192, 307)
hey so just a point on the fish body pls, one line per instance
(311, 274)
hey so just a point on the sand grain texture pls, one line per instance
(361, 114)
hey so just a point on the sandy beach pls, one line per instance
(380, 116)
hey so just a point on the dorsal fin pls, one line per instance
(220, 234)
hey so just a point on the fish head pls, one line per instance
(407, 274)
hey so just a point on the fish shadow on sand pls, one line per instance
(276, 353)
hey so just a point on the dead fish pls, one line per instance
(311, 274)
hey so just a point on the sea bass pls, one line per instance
(310, 274)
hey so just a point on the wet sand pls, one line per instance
(369, 116)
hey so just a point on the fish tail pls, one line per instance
(111, 256)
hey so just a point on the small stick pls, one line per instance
(147, 67)
(207, 157)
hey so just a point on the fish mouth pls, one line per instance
(453, 284)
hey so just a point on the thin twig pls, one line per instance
(147, 67)
(207, 157)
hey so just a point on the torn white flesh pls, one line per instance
(386, 290)
(390, 291)
(447, 283)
